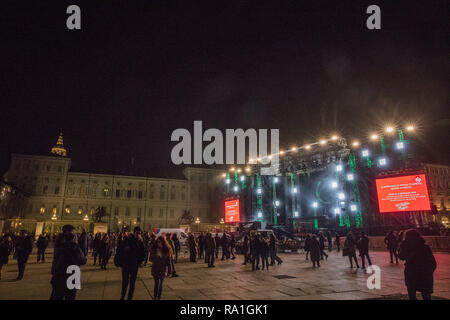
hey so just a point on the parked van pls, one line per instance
(182, 236)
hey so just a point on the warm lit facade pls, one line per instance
(57, 196)
(438, 177)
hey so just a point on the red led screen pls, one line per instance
(232, 211)
(405, 193)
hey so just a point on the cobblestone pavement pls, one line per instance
(295, 279)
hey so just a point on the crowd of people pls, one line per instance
(132, 250)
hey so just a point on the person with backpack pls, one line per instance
(67, 254)
(130, 254)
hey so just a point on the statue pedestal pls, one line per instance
(101, 227)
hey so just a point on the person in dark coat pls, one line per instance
(146, 239)
(68, 254)
(363, 247)
(6, 247)
(232, 247)
(322, 246)
(307, 246)
(160, 258)
(273, 251)
(391, 243)
(24, 246)
(192, 244)
(420, 265)
(337, 240)
(96, 243)
(256, 252)
(201, 245)
(350, 249)
(314, 250)
(83, 242)
(246, 250)
(105, 251)
(330, 241)
(172, 271)
(264, 253)
(177, 246)
(225, 245)
(210, 246)
(217, 239)
(41, 244)
(129, 256)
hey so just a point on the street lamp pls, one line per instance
(197, 222)
(222, 223)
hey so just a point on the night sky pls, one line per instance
(140, 69)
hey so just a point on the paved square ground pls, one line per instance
(231, 280)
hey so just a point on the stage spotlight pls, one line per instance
(231, 169)
(334, 138)
(236, 189)
(339, 168)
(224, 175)
(355, 144)
(228, 181)
(294, 190)
(389, 129)
(374, 137)
(258, 191)
(334, 184)
(259, 214)
(323, 142)
(275, 180)
(365, 153)
(353, 207)
(382, 162)
(410, 128)
(293, 149)
(281, 152)
(400, 145)
(307, 147)
(341, 196)
(242, 178)
(295, 214)
(277, 203)
(315, 204)
(247, 169)
(350, 177)
(337, 210)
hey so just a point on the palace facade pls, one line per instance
(53, 196)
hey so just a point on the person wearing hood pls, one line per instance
(67, 253)
(420, 265)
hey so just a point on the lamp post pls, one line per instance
(197, 222)
(222, 223)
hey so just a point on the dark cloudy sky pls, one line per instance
(140, 69)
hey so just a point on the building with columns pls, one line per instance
(56, 196)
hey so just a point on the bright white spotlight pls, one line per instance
(382, 162)
(258, 191)
(277, 203)
(259, 214)
(355, 144)
(323, 142)
(350, 177)
(341, 196)
(334, 184)
(339, 168)
(337, 210)
(275, 180)
(294, 190)
(236, 188)
(389, 129)
(365, 153)
(296, 214)
(242, 178)
(342, 203)
(400, 145)
(374, 137)
(228, 181)
(353, 207)
(410, 128)
(315, 204)
(293, 149)
(334, 137)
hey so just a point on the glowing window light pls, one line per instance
(341, 196)
(400, 145)
(259, 214)
(365, 153)
(350, 177)
(315, 204)
(339, 168)
(334, 184)
(353, 207)
(382, 162)
(337, 210)
(296, 214)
